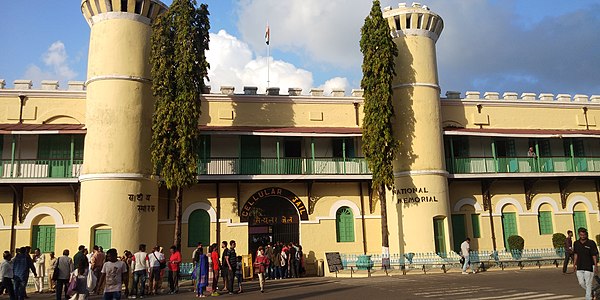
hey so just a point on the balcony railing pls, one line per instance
(40, 168)
(558, 164)
(283, 166)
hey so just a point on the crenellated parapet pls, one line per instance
(414, 19)
(141, 10)
(524, 97)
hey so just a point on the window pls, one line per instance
(199, 228)
(545, 222)
(475, 224)
(43, 236)
(579, 220)
(439, 236)
(103, 238)
(509, 226)
(344, 221)
(343, 147)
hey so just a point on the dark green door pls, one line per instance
(506, 153)
(250, 160)
(102, 238)
(292, 162)
(509, 226)
(43, 236)
(459, 231)
(439, 236)
(199, 228)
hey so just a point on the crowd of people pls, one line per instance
(136, 275)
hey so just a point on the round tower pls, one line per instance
(119, 200)
(419, 170)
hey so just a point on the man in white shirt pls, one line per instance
(465, 247)
(39, 261)
(154, 261)
(6, 276)
(112, 275)
(139, 265)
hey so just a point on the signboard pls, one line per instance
(334, 261)
(273, 192)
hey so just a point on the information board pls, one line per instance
(334, 261)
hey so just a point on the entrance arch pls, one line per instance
(273, 215)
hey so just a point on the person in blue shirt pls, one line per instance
(22, 264)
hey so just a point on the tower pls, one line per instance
(419, 170)
(119, 199)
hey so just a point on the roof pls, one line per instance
(511, 132)
(18, 128)
(287, 131)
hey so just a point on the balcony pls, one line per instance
(557, 164)
(283, 166)
(36, 168)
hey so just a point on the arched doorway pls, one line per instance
(273, 215)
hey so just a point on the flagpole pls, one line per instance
(268, 65)
(267, 40)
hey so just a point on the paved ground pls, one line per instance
(547, 283)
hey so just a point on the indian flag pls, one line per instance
(267, 34)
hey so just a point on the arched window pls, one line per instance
(344, 224)
(545, 219)
(579, 219)
(199, 228)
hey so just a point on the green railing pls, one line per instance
(283, 166)
(474, 165)
(40, 168)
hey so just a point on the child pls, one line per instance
(238, 274)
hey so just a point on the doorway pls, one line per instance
(272, 219)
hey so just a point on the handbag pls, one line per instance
(462, 260)
(162, 264)
(91, 281)
(72, 289)
(56, 271)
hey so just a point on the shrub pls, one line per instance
(558, 240)
(516, 242)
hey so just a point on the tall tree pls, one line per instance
(379, 144)
(179, 67)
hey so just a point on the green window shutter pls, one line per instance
(203, 147)
(439, 236)
(579, 220)
(476, 226)
(509, 226)
(545, 222)
(199, 228)
(344, 220)
(250, 155)
(43, 237)
(103, 238)
(459, 230)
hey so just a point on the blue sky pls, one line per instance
(487, 45)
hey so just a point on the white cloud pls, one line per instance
(56, 66)
(322, 31)
(334, 84)
(232, 63)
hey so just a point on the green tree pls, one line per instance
(379, 144)
(179, 41)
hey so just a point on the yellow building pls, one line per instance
(75, 165)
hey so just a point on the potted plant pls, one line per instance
(516, 244)
(558, 242)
